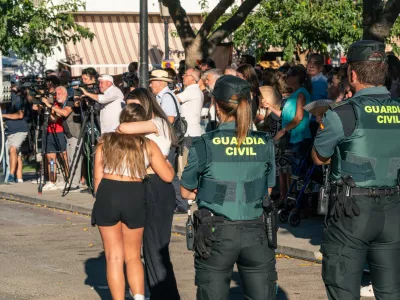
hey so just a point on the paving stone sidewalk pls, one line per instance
(301, 242)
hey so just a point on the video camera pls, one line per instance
(130, 80)
(92, 88)
(38, 90)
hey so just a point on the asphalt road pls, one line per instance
(49, 254)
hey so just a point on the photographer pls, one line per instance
(71, 124)
(113, 101)
(52, 82)
(17, 131)
(89, 76)
(56, 142)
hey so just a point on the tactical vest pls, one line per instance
(371, 154)
(234, 180)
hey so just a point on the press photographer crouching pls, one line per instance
(16, 133)
(112, 100)
(56, 142)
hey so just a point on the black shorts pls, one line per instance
(119, 201)
(56, 142)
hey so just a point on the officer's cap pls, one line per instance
(228, 86)
(362, 51)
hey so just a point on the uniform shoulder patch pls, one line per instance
(338, 104)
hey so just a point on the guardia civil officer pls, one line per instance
(359, 137)
(229, 172)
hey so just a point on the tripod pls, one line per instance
(86, 130)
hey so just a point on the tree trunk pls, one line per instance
(377, 31)
(378, 18)
(302, 55)
(192, 54)
(196, 51)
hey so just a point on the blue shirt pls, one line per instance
(319, 87)
(166, 99)
(14, 126)
(301, 131)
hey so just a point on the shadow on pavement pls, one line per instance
(95, 269)
(311, 229)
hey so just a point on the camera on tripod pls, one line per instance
(130, 80)
(90, 88)
(39, 91)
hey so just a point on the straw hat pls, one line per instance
(160, 75)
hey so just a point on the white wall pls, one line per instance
(191, 6)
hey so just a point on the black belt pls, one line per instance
(374, 192)
(204, 117)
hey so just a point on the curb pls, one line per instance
(48, 203)
(285, 250)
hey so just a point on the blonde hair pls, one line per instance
(126, 151)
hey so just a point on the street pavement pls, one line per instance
(302, 242)
(51, 254)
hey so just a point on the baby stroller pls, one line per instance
(306, 175)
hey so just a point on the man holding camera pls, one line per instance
(17, 131)
(56, 141)
(113, 101)
(71, 123)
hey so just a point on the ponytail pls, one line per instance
(241, 110)
(243, 120)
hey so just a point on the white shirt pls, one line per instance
(167, 102)
(162, 139)
(113, 101)
(192, 99)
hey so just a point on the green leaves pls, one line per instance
(28, 30)
(300, 26)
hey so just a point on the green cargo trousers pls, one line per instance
(247, 246)
(373, 236)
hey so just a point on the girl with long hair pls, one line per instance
(119, 211)
(160, 198)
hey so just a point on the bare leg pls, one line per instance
(114, 250)
(19, 167)
(132, 239)
(13, 160)
(51, 156)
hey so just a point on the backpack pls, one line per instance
(180, 125)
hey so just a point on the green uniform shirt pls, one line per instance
(197, 161)
(231, 181)
(332, 133)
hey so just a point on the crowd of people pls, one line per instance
(139, 153)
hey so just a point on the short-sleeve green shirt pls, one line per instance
(329, 135)
(197, 161)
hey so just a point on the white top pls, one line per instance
(126, 171)
(113, 101)
(162, 138)
(192, 99)
(166, 102)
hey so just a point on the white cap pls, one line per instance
(107, 78)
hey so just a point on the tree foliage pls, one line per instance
(28, 29)
(301, 26)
